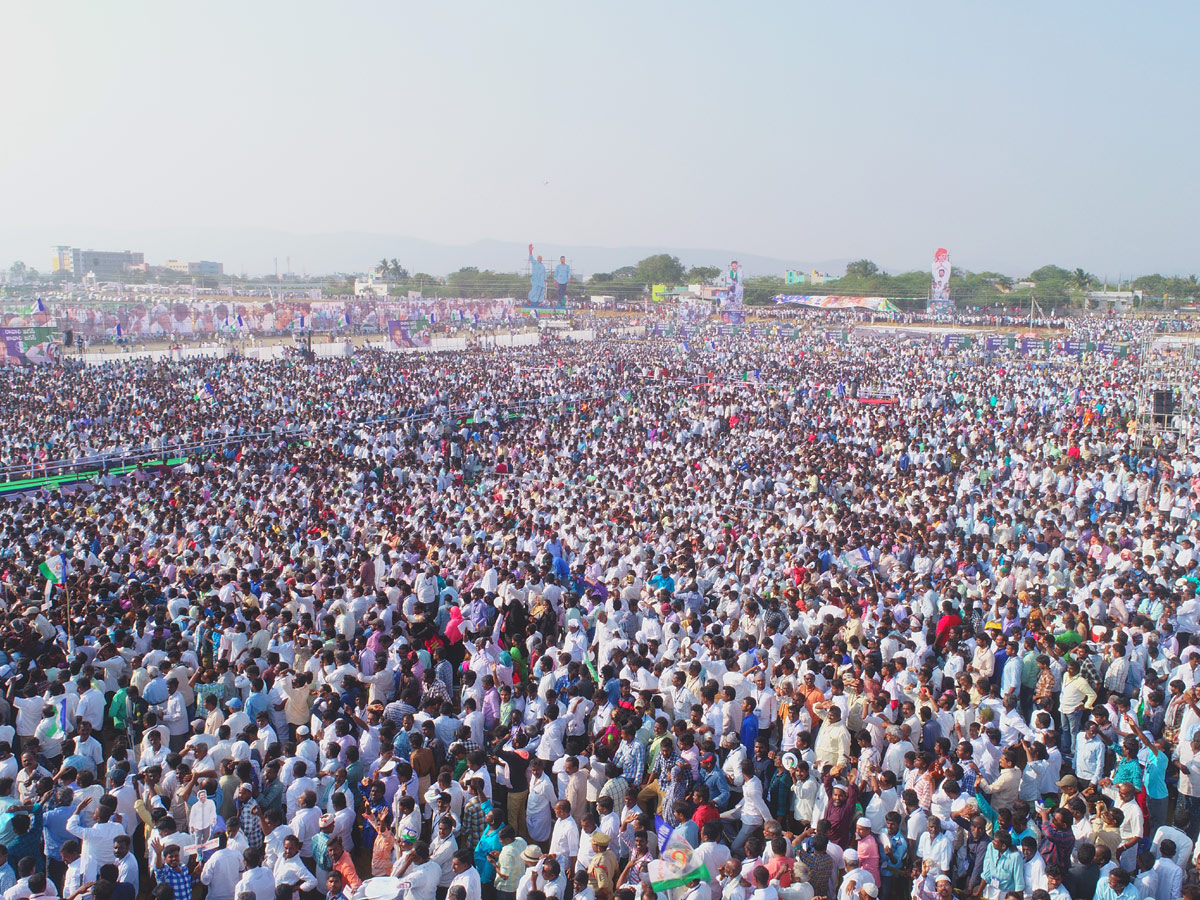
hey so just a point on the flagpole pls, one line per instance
(67, 601)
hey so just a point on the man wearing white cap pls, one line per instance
(943, 888)
(237, 720)
(306, 747)
(867, 847)
(855, 876)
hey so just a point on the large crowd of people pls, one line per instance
(736, 618)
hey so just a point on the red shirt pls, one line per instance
(706, 813)
(945, 623)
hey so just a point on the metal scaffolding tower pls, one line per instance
(1166, 398)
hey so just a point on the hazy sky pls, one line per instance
(1014, 134)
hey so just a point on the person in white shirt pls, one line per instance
(87, 746)
(936, 846)
(306, 822)
(80, 870)
(222, 872)
(1168, 874)
(442, 849)
(833, 740)
(290, 871)
(257, 879)
(1182, 843)
(466, 877)
(29, 714)
(174, 716)
(127, 863)
(98, 837)
(751, 811)
(564, 840)
(91, 704)
(301, 784)
(539, 816)
(1131, 826)
(550, 746)
(418, 875)
(545, 876)
(713, 854)
(275, 835)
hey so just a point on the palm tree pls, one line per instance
(382, 268)
(1080, 280)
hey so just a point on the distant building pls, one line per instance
(104, 264)
(1114, 301)
(203, 267)
(369, 287)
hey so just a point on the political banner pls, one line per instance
(868, 304)
(30, 346)
(162, 317)
(939, 293)
(405, 335)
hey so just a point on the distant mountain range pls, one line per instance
(260, 251)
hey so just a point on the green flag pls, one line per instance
(54, 569)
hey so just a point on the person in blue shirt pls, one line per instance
(54, 828)
(537, 280)
(749, 725)
(336, 885)
(8, 877)
(259, 700)
(562, 277)
(663, 581)
(1118, 886)
(1154, 778)
(74, 760)
(27, 826)
(155, 693)
(562, 570)
(612, 687)
(714, 779)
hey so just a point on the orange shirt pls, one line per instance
(345, 865)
